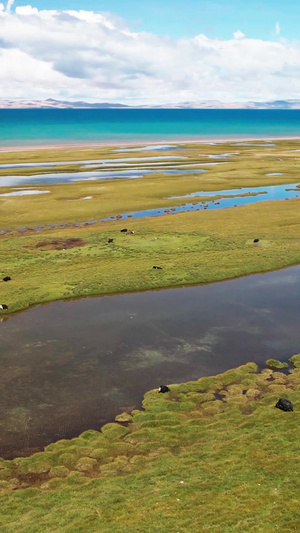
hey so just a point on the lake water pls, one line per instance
(52, 126)
(73, 365)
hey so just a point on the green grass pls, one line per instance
(192, 248)
(189, 460)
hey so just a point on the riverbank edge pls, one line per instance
(8, 315)
(209, 387)
(214, 450)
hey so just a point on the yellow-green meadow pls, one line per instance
(192, 247)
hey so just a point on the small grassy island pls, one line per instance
(212, 454)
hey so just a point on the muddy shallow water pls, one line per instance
(73, 365)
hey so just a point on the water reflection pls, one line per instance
(232, 198)
(27, 192)
(221, 156)
(150, 148)
(73, 365)
(69, 177)
(90, 161)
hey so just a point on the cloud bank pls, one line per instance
(94, 56)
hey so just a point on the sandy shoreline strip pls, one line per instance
(137, 143)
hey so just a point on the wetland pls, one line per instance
(86, 334)
(204, 240)
(75, 364)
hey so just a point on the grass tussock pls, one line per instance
(213, 452)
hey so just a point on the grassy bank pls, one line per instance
(213, 455)
(191, 248)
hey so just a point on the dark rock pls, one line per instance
(7, 278)
(3, 306)
(284, 405)
(163, 389)
(256, 240)
(124, 230)
(157, 268)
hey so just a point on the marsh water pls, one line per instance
(89, 161)
(69, 177)
(73, 365)
(227, 198)
(231, 198)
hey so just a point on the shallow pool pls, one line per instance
(69, 177)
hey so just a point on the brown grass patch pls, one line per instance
(60, 244)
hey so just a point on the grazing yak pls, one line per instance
(256, 240)
(157, 268)
(7, 278)
(110, 240)
(163, 389)
(284, 405)
(3, 306)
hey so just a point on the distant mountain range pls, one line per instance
(206, 104)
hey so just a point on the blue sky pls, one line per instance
(186, 18)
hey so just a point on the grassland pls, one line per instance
(191, 248)
(212, 455)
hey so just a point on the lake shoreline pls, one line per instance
(137, 142)
(167, 434)
(67, 299)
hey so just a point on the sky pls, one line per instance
(151, 51)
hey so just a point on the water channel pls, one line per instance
(73, 365)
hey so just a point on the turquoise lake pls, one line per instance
(52, 126)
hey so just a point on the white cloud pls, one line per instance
(277, 28)
(9, 5)
(238, 34)
(94, 56)
(26, 10)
